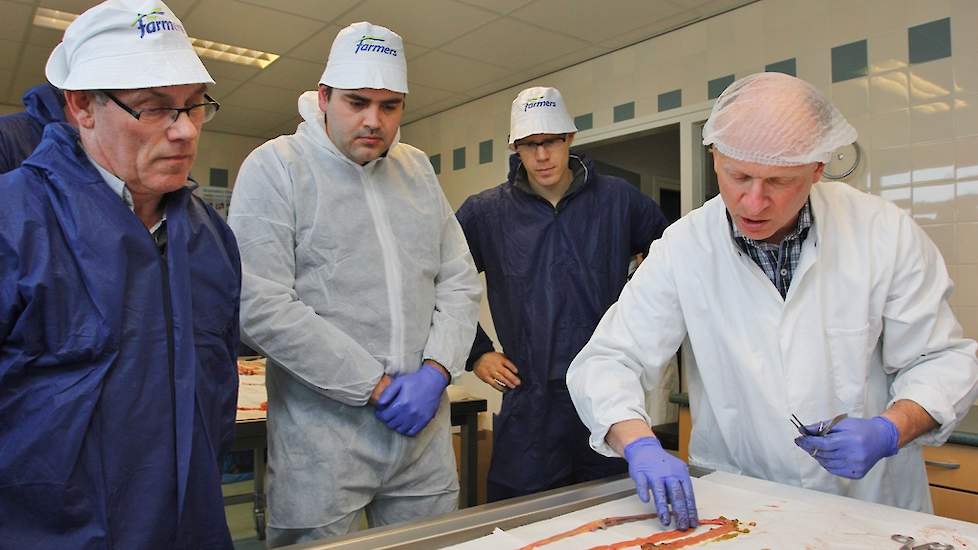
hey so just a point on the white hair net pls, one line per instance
(776, 119)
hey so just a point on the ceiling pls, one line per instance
(457, 50)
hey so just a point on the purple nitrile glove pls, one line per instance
(853, 446)
(411, 400)
(651, 467)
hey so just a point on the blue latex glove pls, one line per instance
(411, 400)
(651, 467)
(853, 446)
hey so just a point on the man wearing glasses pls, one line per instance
(555, 241)
(119, 297)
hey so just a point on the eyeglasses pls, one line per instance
(547, 144)
(199, 113)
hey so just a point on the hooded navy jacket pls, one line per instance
(118, 380)
(551, 273)
(21, 132)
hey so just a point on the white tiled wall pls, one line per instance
(918, 124)
(220, 150)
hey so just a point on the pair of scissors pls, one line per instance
(823, 427)
(908, 544)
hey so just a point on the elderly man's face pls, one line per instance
(764, 201)
(151, 157)
(362, 123)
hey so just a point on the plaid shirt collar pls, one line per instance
(777, 260)
(805, 221)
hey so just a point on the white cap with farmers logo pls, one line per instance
(122, 45)
(365, 55)
(539, 110)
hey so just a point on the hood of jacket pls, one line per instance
(45, 104)
(313, 127)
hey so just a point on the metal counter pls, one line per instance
(472, 523)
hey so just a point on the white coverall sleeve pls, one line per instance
(457, 296)
(273, 319)
(629, 350)
(923, 343)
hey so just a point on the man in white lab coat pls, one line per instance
(359, 287)
(797, 297)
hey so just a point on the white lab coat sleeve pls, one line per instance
(923, 344)
(273, 319)
(457, 296)
(629, 351)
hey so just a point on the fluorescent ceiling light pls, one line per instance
(53, 19)
(59, 20)
(232, 54)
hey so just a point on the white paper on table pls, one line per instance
(844, 518)
(251, 391)
(495, 541)
(457, 393)
(251, 394)
(784, 517)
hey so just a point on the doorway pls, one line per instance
(673, 167)
(649, 160)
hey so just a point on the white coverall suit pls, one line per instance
(865, 322)
(350, 272)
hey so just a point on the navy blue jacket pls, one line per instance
(551, 272)
(118, 381)
(21, 132)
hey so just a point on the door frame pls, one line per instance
(691, 163)
(692, 167)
